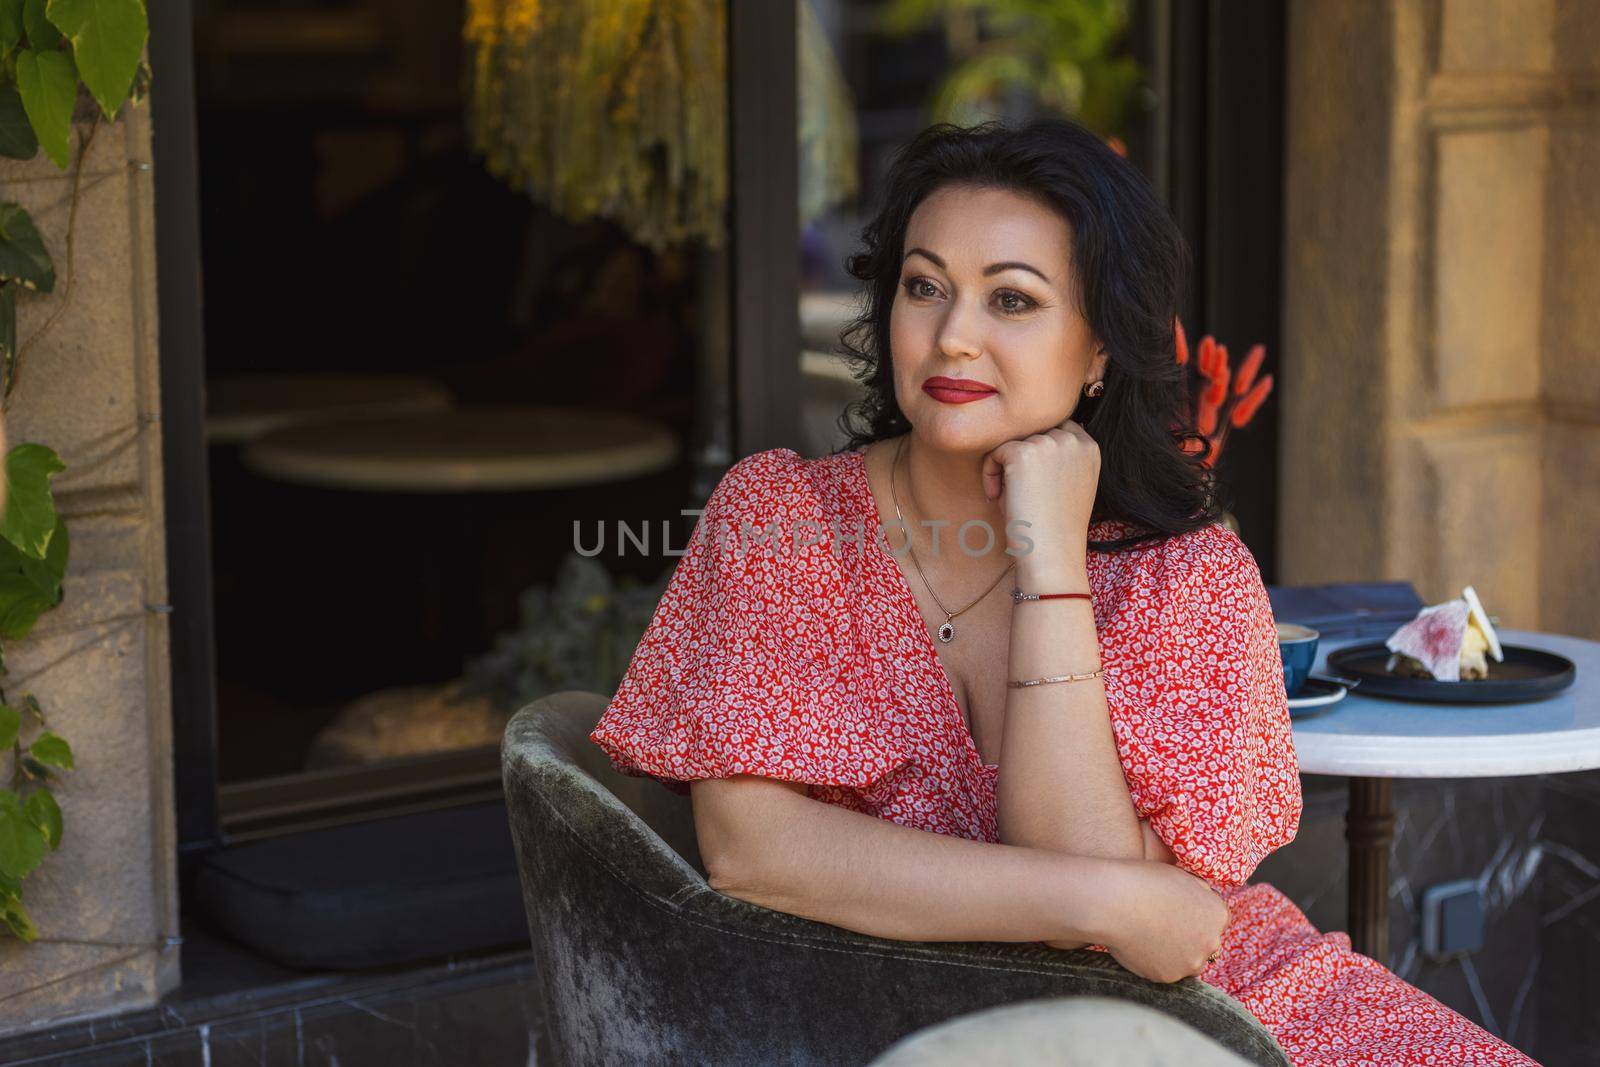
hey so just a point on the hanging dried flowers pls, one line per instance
(611, 108)
(618, 109)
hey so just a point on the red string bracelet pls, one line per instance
(1018, 596)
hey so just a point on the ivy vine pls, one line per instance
(47, 48)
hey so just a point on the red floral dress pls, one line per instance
(788, 644)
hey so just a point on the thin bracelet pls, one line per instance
(1096, 673)
(1018, 596)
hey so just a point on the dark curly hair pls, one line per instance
(1131, 263)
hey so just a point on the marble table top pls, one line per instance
(242, 407)
(1376, 737)
(477, 448)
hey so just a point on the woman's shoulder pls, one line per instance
(783, 504)
(1214, 571)
(770, 524)
(779, 483)
(1211, 545)
(1210, 555)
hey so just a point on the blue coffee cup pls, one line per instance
(1299, 647)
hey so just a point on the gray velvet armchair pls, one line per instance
(642, 962)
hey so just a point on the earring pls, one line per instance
(1094, 388)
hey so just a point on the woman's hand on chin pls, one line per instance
(1047, 481)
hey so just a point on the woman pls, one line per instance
(835, 699)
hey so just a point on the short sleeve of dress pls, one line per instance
(743, 669)
(1204, 733)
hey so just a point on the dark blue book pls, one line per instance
(1347, 609)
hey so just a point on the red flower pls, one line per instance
(1247, 372)
(1229, 399)
(1245, 409)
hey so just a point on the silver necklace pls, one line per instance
(947, 631)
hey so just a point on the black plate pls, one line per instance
(1526, 674)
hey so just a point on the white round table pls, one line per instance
(242, 407)
(470, 453)
(1374, 740)
(470, 449)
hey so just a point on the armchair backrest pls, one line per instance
(642, 962)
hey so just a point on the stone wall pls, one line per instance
(1441, 371)
(106, 903)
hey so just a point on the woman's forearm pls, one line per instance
(782, 850)
(1061, 785)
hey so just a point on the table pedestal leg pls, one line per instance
(1369, 828)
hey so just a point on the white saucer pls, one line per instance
(1316, 693)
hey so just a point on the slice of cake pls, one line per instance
(1446, 642)
(1479, 638)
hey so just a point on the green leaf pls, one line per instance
(10, 725)
(30, 516)
(42, 35)
(52, 750)
(10, 25)
(31, 702)
(22, 253)
(42, 808)
(49, 85)
(16, 917)
(107, 37)
(30, 587)
(16, 135)
(22, 845)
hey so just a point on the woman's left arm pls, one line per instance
(1060, 784)
(1200, 744)
(1061, 726)
(1200, 741)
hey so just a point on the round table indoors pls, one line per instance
(242, 407)
(478, 456)
(478, 448)
(1374, 740)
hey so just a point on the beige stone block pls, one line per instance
(1577, 36)
(1488, 262)
(48, 984)
(1474, 496)
(1570, 563)
(106, 902)
(77, 390)
(1337, 258)
(1477, 35)
(87, 668)
(1571, 342)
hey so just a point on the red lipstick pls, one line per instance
(956, 390)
